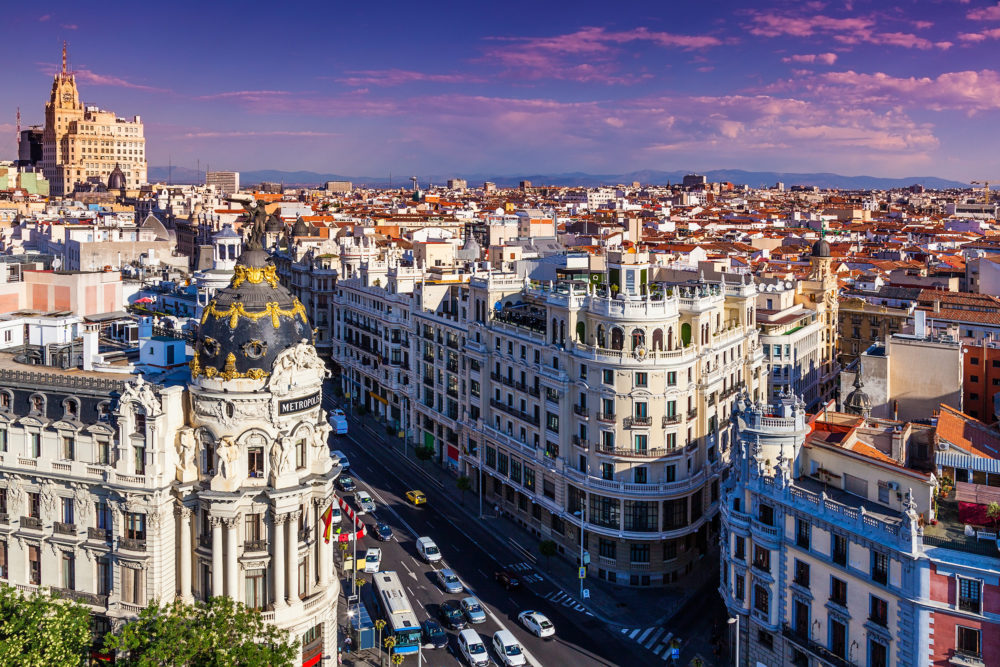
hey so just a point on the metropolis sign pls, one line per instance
(294, 405)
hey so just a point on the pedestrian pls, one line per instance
(340, 656)
(347, 645)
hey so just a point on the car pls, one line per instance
(428, 550)
(508, 649)
(345, 464)
(416, 497)
(338, 420)
(473, 610)
(364, 502)
(451, 615)
(507, 579)
(537, 623)
(434, 635)
(346, 483)
(473, 649)
(373, 559)
(336, 516)
(449, 581)
(381, 531)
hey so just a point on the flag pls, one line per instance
(327, 523)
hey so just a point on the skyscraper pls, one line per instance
(86, 142)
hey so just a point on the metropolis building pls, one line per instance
(117, 491)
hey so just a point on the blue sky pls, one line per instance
(527, 87)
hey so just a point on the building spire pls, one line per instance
(64, 58)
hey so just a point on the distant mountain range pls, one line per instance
(646, 177)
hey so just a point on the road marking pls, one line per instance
(642, 637)
(481, 572)
(659, 648)
(655, 638)
(634, 633)
(411, 591)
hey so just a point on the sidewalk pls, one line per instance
(615, 605)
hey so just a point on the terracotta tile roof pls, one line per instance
(967, 433)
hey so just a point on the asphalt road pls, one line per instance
(474, 551)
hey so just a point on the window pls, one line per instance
(640, 476)
(880, 567)
(139, 452)
(878, 654)
(641, 516)
(641, 380)
(840, 550)
(800, 617)
(608, 471)
(639, 553)
(34, 505)
(967, 640)
(304, 577)
(761, 598)
(838, 591)
(491, 457)
(68, 570)
(969, 595)
(552, 422)
(766, 515)
(607, 548)
(671, 472)
(740, 548)
(103, 451)
(300, 453)
(255, 461)
(36, 445)
(133, 585)
(608, 377)
(69, 448)
(838, 638)
(802, 573)
(34, 565)
(104, 581)
(802, 533)
(135, 526)
(67, 510)
(974, 361)
(761, 558)
(738, 588)
(878, 611)
(256, 589)
(529, 478)
(672, 379)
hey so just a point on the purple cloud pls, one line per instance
(821, 58)
(395, 77)
(985, 13)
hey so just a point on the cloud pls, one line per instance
(985, 13)
(70, 26)
(980, 36)
(255, 133)
(86, 75)
(822, 58)
(395, 77)
(245, 95)
(968, 91)
(850, 30)
(588, 55)
(44, 17)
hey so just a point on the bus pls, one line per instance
(394, 607)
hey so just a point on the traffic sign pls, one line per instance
(586, 593)
(583, 573)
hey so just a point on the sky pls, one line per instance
(881, 88)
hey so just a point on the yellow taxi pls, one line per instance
(416, 497)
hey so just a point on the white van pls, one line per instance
(427, 550)
(506, 646)
(338, 420)
(473, 649)
(373, 560)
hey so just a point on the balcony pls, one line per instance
(606, 417)
(132, 544)
(429, 358)
(99, 534)
(64, 528)
(514, 412)
(692, 413)
(653, 453)
(581, 443)
(255, 545)
(802, 640)
(637, 422)
(581, 410)
(670, 420)
(31, 522)
(80, 596)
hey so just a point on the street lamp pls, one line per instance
(735, 621)
(583, 520)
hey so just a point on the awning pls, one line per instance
(378, 398)
(952, 459)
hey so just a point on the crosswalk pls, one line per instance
(525, 571)
(566, 600)
(655, 639)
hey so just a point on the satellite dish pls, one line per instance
(56, 263)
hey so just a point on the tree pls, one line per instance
(993, 512)
(41, 629)
(424, 453)
(220, 633)
(464, 484)
(548, 548)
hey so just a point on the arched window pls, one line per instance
(670, 338)
(601, 338)
(658, 339)
(562, 332)
(71, 408)
(581, 332)
(37, 402)
(617, 339)
(686, 334)
(6, 400)
(638, 338)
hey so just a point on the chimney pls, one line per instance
(937, 305)
(90, 347)
(920, 323)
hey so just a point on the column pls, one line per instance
(216, 556)
(232, 565)
(324, 560)
(278, 557)
(292, 557)
(185, 575)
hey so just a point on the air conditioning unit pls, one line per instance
(894, 486)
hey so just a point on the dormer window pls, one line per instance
(37, 402)
(6, 400)
(71, 408)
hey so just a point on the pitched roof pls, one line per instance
(967, 433)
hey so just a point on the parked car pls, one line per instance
(373, 559)
(346, 484)
(345, 464)
(473, 610)
(451, 615)
(434, 635)
(473, 649)
(507, 579)
(428, 550)
(537, 623)
(364, 502)
(508, 649)
(416, 497)
(449, 581)
(381, 531)
(338, 420)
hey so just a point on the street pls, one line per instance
(474, 551)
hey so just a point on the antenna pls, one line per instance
(414, 180)
(170, 170)
(64, 58)
(18, 138)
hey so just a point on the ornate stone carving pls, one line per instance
(230, 412)
(184, 512)
(48, 497)
(297, 362)
(229, 453)
(141, 392)
(215, 521)
(321, 436)
(282, 453)
(83, 503)
(187, 446)
(231, 521)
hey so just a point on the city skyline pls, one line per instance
(857, 89)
